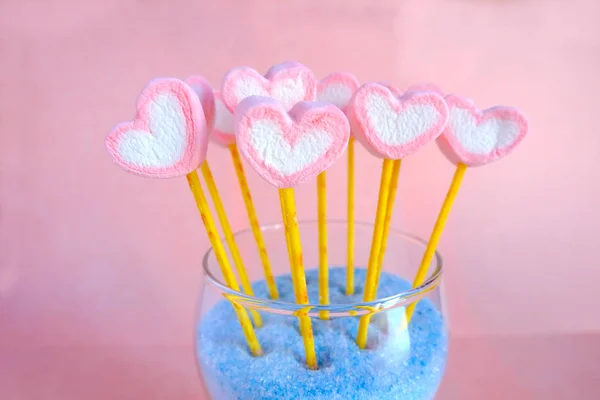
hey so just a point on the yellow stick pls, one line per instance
(350, 260)
(434, 239)
(287, 237)
(369, 294)
(211, 231)
(388, 217)
(323, 263)
(291, 225)
(258, 237)
(233, 248)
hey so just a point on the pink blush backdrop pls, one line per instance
(93, 256)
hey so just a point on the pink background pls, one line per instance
(94, 258)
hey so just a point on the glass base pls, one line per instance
(398, 362)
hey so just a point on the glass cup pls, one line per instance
(402, 359)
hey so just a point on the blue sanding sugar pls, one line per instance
(396, 365)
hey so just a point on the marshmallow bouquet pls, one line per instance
(290, 127)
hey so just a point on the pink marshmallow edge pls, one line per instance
(224, 139)
(303, 115)
(453, 149)
(367, 134)
(395, 91)
(425, 87)
(289, 69)
(196, 132)
(205, 93)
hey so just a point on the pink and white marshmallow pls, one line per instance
(474, 137)
(288, 83)
(168, 136)
(287, 149)
(392, 126)
(222, 133)
(337, 88)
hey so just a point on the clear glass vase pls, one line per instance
(402, 360)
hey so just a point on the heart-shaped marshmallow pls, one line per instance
(475, 137)
(168, 136)
(337, 88)
(288, 83)
(287, 149)
(205, 94)
(222, 133)
(395, 127)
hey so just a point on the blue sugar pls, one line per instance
(393, 368)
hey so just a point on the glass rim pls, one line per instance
(400, 299)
